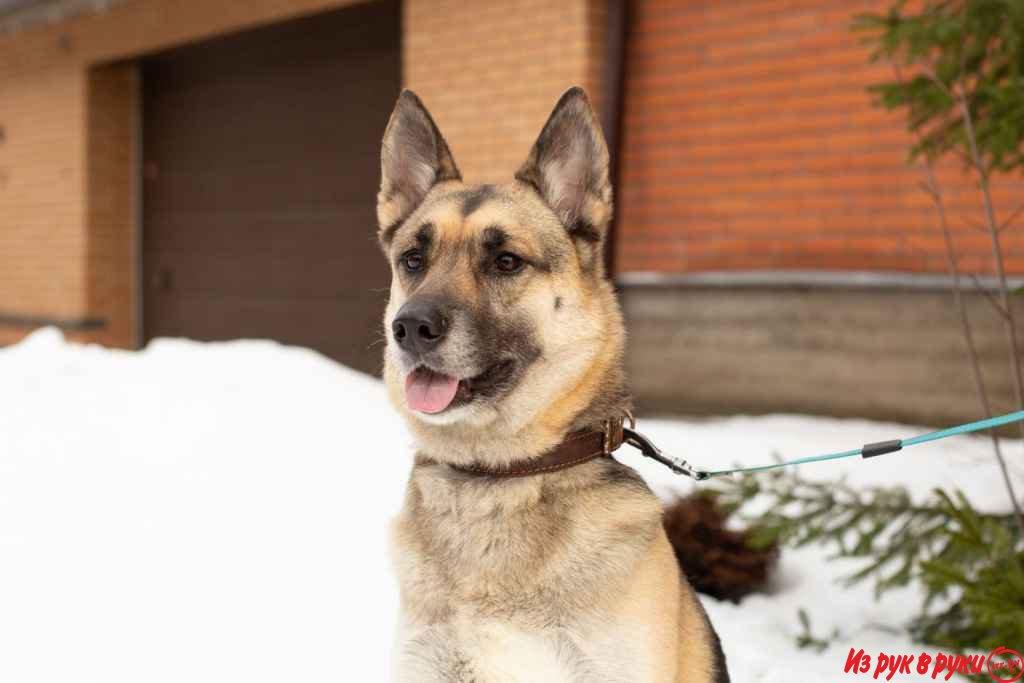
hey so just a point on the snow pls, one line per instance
(212, 512)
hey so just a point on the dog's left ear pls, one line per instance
(568, 166)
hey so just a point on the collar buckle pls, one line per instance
(613, 433)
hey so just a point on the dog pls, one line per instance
(505, 339)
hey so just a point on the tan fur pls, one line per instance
(566, 576)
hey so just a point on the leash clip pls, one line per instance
(648, 449)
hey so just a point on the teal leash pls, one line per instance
(871, 450)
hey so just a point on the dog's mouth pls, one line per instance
(429, 391)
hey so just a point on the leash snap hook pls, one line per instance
(648, 449)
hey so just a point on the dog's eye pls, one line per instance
(412, 260)
(508, 263)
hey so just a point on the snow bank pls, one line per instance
(212, 512)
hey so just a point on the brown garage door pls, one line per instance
(260, 174)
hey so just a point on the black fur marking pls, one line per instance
(494, 238)
(616, 474)
(388, 233)
(500, 338)
(584, 230)
(474, 199)
(558, 303)
(425, 235)
(721, 669)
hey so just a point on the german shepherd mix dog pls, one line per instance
(504, 344)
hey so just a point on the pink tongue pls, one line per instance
(428, 391)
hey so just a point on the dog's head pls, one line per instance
(499, 309)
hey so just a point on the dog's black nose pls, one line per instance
(419, 326)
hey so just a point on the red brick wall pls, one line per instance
(490, 71)
(750, 143)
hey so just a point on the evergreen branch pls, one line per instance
(969, 563)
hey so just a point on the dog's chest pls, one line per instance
(488, 650)
(526, 557)
(517, 587)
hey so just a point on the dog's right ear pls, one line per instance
(413, 158)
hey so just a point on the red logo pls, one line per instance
(1005, 665)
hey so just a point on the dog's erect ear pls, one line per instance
(568, 166)
(413, 158)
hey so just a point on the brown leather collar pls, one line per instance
(577, 448)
